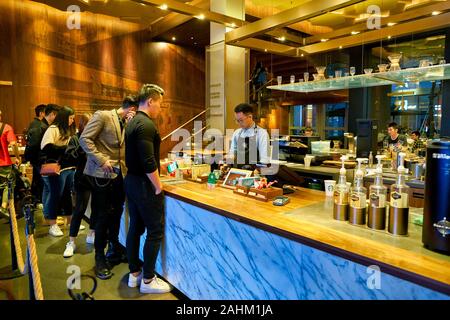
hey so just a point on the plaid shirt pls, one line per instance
(418, 144)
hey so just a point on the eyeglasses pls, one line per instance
(241, 120)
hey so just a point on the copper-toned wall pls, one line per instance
(90, 68)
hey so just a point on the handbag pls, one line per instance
(50, 169)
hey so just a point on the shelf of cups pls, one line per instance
(430, 73)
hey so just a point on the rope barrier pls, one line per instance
(31, 247)
(16, 239)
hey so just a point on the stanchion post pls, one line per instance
(29, 230)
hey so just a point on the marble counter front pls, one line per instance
(232, 247)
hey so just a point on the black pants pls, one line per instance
(107, 201)
(81, 203)
(146, 213)
(37, 185)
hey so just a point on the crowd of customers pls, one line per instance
(94, 154)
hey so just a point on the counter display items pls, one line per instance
(358, 197)
(399, 207)
(377, 199)
(340, 208)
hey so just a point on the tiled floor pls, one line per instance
(53, 268)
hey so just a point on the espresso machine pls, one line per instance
(436, 211)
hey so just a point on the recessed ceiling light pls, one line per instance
(163, 6)
(389, 37)
(192, 38)
(324, 40)
(435, 13)
(281, 38)
(195, 43)
(173, 38)
(265, 50)
(142, 4)
(355, 32)
(86, 1)
(302, 55)
(233, 25)
(340, 47)
(201, 17)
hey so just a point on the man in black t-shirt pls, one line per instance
(395, 141)
(144, 191)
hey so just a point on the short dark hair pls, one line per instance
(129, 101)
(393, 125)
(417, 133)
(148, 91)
(51, 108)
(39, 108)
(245, 108)
(308, 129)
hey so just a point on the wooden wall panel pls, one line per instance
(91, 68)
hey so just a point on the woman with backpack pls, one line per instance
(81, 187)
(53, 148)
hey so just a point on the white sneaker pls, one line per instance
(90, 238)
(70, 248)
(55, 231)
(133, 281)
(80, 229)
(156, 285)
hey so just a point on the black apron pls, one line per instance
(243, 157)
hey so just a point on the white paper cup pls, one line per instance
(308, 161)
(349, 184)
(329, 187)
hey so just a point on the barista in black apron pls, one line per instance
(243, 156)
(250, 143)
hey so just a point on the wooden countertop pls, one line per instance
(308, 219)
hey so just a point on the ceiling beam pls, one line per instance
(421, 25)
(173, 19)
(266, 46)
(5, 83)
(288, 36)
(286, 18)
(194, 11)
(404, 16)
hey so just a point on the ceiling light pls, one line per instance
(340, 47)
(324, 40)
(192, 38)
(201, 17)
(435, 13)
(233, 25)
(281, 38)
(173, 38)
(195, 43)
(389, 37)
(302, 55)
(265, 50)
(390, 24)
(86, 1)
(163, 6)
(355, 32)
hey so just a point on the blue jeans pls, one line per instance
(59, 200)
(45, 193)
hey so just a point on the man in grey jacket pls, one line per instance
(103, 141)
